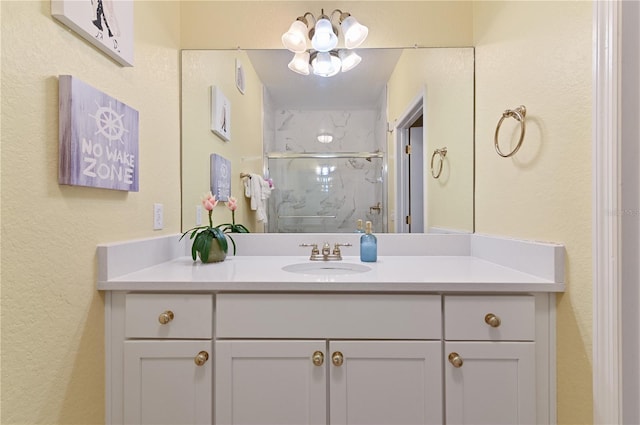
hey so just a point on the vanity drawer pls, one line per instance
(184, 316)
(489, 318)
(353, 316)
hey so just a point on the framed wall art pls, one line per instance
(240, 81)
(98, 138)
(220, 177)
(220, 114)
(107, 24)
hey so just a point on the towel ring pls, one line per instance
(442, 153)
(519, 114)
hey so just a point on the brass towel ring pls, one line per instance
(442, 153)
(519, 114)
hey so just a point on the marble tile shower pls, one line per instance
(325, 194)
(325, 187)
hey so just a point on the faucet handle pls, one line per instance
(336, 247)
(314, 248)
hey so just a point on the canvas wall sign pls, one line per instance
(220, 177)
(98, 138)
(107, 24)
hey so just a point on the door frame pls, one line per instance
(414, 109)
(606, 141)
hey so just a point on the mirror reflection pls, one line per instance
(365, 144)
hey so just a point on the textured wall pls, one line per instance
(544, 191)
(535, 53)
(259, 24)
(52, 315)
(445, 78)
(201, 70)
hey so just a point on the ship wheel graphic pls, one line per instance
(109, 123)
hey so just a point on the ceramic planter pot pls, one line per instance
(216, 254)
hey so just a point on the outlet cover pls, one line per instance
(158, 217)
(199, 215)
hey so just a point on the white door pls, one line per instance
(270, 382)
(490, 383)
(385, 382)
(416, 180)
(164, 385)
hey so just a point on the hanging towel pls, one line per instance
(247, 186)
(259, 191)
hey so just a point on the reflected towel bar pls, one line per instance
(442, 153)
(306, 216)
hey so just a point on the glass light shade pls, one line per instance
(295, 39)
(349, 59)
(300, 63)
(325, 138)
(326, 64)
(324, 39)
(354, 32)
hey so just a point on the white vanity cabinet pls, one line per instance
(490, 359)
(329, 358)
(166, 358)
(364, 359)
(454, 329)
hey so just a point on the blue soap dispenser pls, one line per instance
(359, 226)
(368, 246)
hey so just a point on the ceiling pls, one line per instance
(359, 88)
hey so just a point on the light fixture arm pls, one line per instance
(303, 19)
(342, 17)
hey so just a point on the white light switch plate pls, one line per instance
(158, 216)
(199, 215)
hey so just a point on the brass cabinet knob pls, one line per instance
(337, 358)
(318, 358)
(165, 317)
(455, 359)
(201, 358)
(492, 320)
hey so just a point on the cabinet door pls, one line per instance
(490, 383)
(164, 385)
(270, 382)
(386, 382)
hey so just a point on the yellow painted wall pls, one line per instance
(202, 69)
(445, 78)
(260, 24)
(539, 54)
(52, 314)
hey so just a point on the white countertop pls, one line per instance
(433, 273)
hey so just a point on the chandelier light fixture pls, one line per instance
(324, 58)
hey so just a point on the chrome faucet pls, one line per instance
(327, 254)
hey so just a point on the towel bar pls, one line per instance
(519, 114)
(442, 153)
(306, 216)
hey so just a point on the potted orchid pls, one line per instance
(210, 242)
(232, 227)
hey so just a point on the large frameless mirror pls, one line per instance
(390, 141)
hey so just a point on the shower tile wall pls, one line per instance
(306, 190)
(352, 131)
(324, 195)
(269, 112)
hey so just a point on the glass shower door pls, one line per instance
(326, 193)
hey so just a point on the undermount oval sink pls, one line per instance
(326, 268)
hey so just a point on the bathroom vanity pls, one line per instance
(443, 328)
